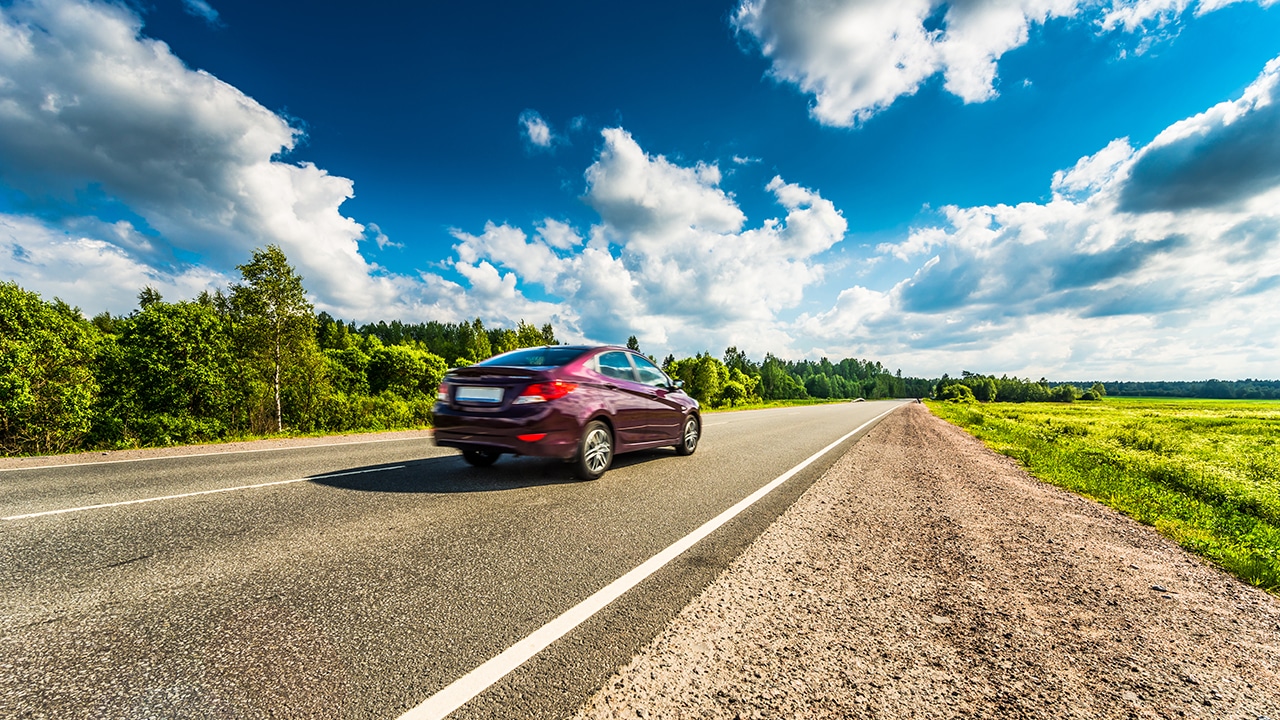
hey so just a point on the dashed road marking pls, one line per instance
(194, 494)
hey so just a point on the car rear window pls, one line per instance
(534, 357)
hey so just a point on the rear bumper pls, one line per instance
(463, 430)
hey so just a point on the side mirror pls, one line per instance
(678, 385)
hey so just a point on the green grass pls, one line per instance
(1205, 473)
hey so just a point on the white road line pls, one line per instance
(194, 494)
(462, 690)
(207, 454)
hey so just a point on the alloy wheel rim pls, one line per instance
(597, 454)
(691, 435)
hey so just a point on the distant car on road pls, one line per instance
(583, 404)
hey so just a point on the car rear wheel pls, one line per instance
(480, 457)
(689, 438)
(595, 453)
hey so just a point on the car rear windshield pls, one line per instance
(534, 357)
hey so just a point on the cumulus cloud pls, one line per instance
(1125, 271)
(856, 57)
(1225, 155)
(88, 102)
(89, 106)
(671, 259)
(72, 265)
(559, 235)
(535, 131)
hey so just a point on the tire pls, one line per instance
(595, 451)
(689, 436)
(480, 457)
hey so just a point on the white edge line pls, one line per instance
(209, 454)
(462, 690)
(194, 494)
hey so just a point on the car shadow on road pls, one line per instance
(451, 474)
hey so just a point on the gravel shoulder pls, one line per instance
(925, 576)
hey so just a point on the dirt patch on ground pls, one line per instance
(925, 576)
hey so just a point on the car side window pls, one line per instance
(649, 373)
(616, 365)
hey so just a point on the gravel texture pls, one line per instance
(925, 576)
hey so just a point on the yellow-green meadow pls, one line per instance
(1205, 473)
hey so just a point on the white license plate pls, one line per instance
(467, 393)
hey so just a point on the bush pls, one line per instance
(47, 385)
(956, 393)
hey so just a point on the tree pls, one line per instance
(1064, 393)
(633, 343)
(956, 392)
(778, 384)
(149, 296)
(169, 376)
(818, 386)
(529, 336)
(47, 386)
(274, 321)
(474, 343)
(502, 340)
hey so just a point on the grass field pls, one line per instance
(1205, 473)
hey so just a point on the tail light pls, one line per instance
(442, 393)
(543, 392)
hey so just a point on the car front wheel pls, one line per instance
(595, 453)
(689, 438)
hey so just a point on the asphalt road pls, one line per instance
(358, 580)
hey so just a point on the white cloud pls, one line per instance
(89, 104)
(72, 266)
(1133, 15)
(533, 260)
(1225, 155)
(1095, 172)
(671, 260)
(856, 57)
(1128, 271)
(87, 101)
(202, 9)
(559, 235)
(371, 230)
(535, 131)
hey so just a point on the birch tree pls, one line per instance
(275, 323)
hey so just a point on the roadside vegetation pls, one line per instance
(256, 360)
(1205, 473)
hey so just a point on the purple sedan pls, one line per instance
(581, 404)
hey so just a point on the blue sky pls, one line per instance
(1075, 189)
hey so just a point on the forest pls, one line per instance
(975, 387)
(256, 360)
